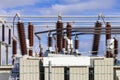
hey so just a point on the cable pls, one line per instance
(18, 16)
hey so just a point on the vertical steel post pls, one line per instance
(0, 54)
(7, 54)
(3, 32)
(49, 71)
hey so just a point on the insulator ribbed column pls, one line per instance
(96, 39)
(64, 43)
(9, 36)
(49, 40)
(14, 49)
(76, 42)
(115, 47)
(108, 36)
(31, 38)
(59, 26)
(41, 52)
(21, 34)
(108, 31)
(69, 27)
(3, 32)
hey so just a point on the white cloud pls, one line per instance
(12, 12)
(73, 6)
(20, 3)
(16, 3)
(79, 7)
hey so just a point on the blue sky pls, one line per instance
(66, 7)
(52, 7)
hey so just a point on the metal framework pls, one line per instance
(81, 24)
